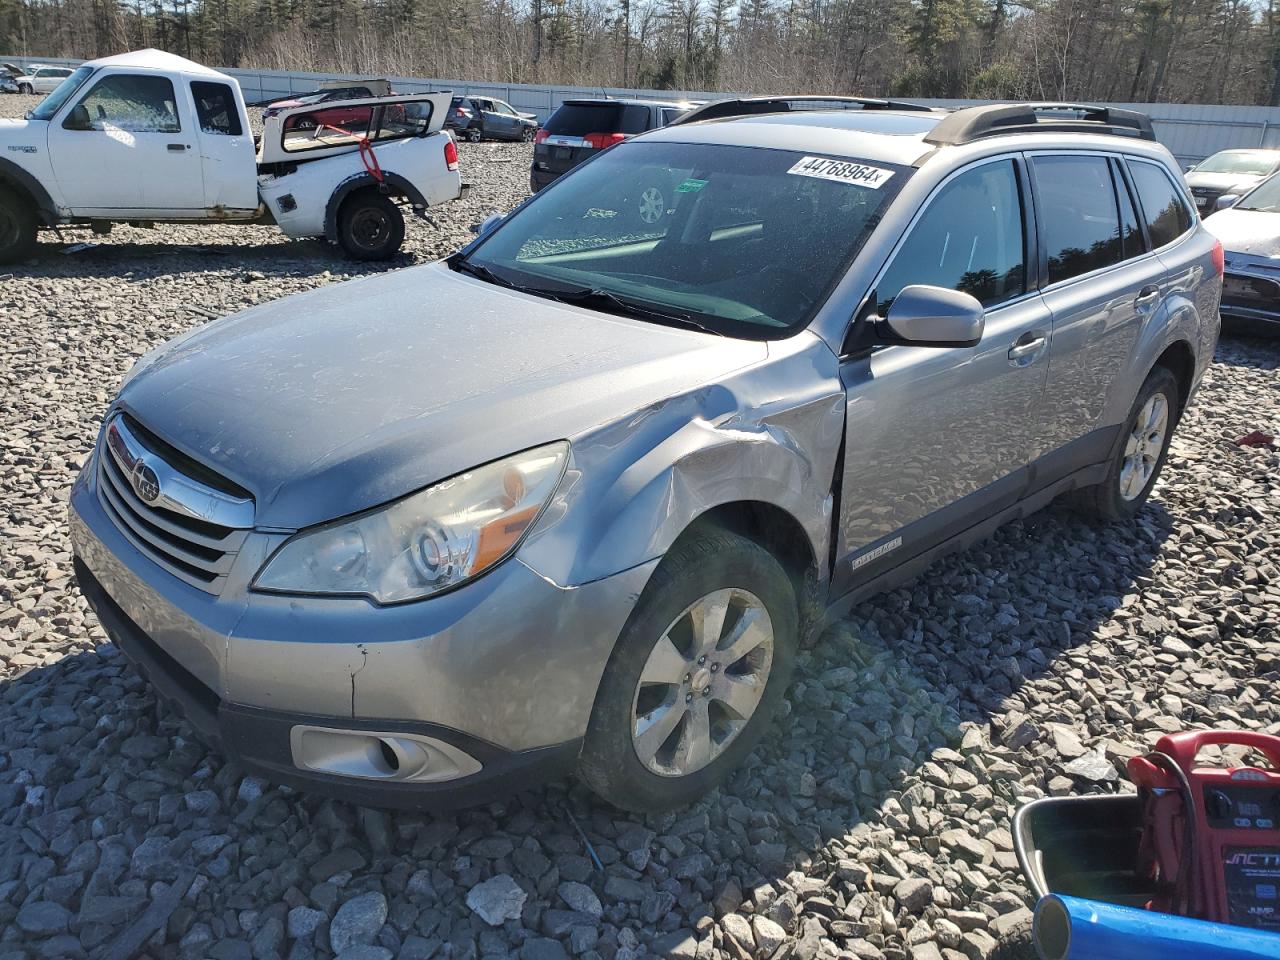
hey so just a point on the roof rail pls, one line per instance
(748, 106)
(998, 119)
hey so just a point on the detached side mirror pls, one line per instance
(78, 119)
(487, 224)
(1226, 200)
(925, 316)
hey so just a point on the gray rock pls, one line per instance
(914, 895)
(304, 921)
(365, 951)
(677, 945)
(358, 921)
(497, 899)
(581, 898)
(1094, 767)
(43, 918)
(542, 948)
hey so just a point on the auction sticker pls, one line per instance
(841, 171)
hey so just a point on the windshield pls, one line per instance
(1264, 197)
(61, 94)
(744, 241)
(1255, 164)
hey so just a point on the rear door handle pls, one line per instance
(1147, 297)
(1029, 344)
(177, 147)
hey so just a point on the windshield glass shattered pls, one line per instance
(744, 241)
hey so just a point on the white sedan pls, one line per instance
(1250, 233)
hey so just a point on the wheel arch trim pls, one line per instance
(396, 183)
(14, 176)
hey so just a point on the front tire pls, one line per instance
(526, 135)
(696, 675)
(370, 226)
(1144, 447)
(25, 88)
(18, 225)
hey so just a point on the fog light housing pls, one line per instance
(377, 755)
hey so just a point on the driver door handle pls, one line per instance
(1029, 344)
(177, 147)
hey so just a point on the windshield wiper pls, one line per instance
(460, 264)
(612, 303)
(584, 297)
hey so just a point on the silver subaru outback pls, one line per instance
(571, 498)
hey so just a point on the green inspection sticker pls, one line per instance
(691, 186)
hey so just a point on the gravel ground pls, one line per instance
(873, 822)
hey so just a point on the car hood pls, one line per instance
(1221, 181)
(348, 396)
(1246, 231)
(15, 128)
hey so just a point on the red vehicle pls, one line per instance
(334, 90)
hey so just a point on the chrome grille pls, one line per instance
(189, 528)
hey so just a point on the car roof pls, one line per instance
(908, 137)
(629, 101)
(889, 136)
(151, 59)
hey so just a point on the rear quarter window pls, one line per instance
(1164, 208)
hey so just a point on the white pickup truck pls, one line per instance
(150, 137)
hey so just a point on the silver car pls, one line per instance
(1229, 173)
(411, 553)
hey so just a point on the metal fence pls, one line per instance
(1190, 131)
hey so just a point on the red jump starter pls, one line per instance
(1211, 836)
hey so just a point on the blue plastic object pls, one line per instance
(1069, 928)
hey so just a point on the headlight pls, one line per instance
(430, 540)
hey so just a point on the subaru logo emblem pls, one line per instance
(145, 482)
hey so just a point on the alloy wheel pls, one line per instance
(1144, 445)
(702, 682)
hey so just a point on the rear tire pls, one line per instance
(473, 135)
(18, 225)
(1144, 447)
(688, 693)
(370, 226)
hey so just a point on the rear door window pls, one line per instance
(970, 238)
(1163, 205)
(1131, 239)
(1079, 218)
(216, 108)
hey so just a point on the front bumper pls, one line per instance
(504, 669)
(1251, 293)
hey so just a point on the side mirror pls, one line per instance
(924, 316)
(78, 118)
(1226, 200)
(1190, 167)
(487, 224)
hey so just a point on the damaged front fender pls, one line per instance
(769, 433)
